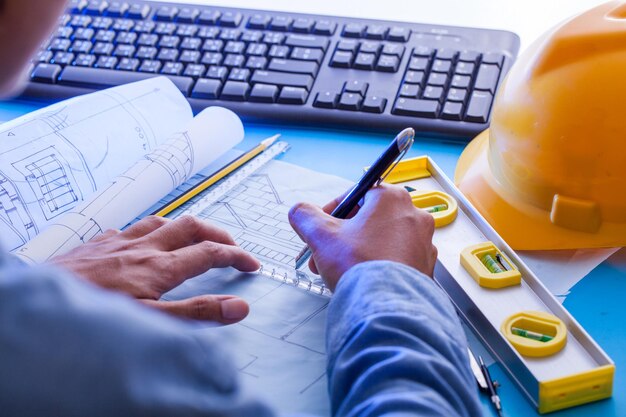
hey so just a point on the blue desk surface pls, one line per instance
(597, 301)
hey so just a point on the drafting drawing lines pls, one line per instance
(53, 186)
(176, 157)
(256, 216)
(14, 213)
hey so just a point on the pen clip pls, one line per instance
(396, 162)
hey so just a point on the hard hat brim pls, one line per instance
(523, 226)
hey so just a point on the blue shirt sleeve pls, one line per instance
(70, 349)
(396, 347)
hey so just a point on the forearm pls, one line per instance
(396, 345)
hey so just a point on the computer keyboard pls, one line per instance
(284, 67)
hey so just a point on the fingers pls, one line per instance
(144, 226)
(311, 223)
(185, 231)
(198, 258)
(226, 309)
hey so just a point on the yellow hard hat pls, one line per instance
(550, 173)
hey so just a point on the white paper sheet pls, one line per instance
(53, 159)
(209, 135)
(279, 348)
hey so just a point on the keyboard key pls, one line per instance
(326, 100)
(251, 36)
(282, 79)
(150, 66)
(107, 36)
(208, 32)
(256, 49)
(478, 107)
(103, 23)
(187, 15)
(370, 47)
(464, 68)
(444, 53)
(191, 43)
(349, 45)
(393, 49)
(438, 79)
(280, 23)
(324, 27)
(82, 34)
(409, 90)
(229, 34)
(239, 74)
(399, 34)
(123, 25)
(365, 61)
(230, 19)
(213, 45)
(388, 63)
(126, 37)
(460, 81)
(273, 38)
(258, 21)
(146, 52)
(264, 93)
(416, 108)
(187, 30)
(169, 41)
(295, 66)
(167, 54)
(356, 86)
(433, 93)
(194, 70)
(233, 47)
(341, 59)
(209, 17)
(353, 30)
(279, 51)
(80, 21)
(65, 32)
(138, 11)
(487, 77)
(374, 104)
(423, 51)
(452, 111)
(117, 9)
(414, 77)
(236, 61)
(256, 62)
(235, 91)
(166, 13)
(376, 32)
(106, 62)
(218, 73)
(46, 73)
(440, 65)
(81, 47)
(105, 78)
(469, 56)
(62, 58)
(212, 58)
(124, 51)
(147, 39)
(293, 95)
(95, 7)
(302, 25)
(418, 64)
(43, 56)
(172, 68)
(350, 101)
(165, 29)
(206, 89)
(307, 54)
(101, 48)
(128, 64)
(60, 45)
(495, 58)
(77, 6)
(307, 41)
(457, 94)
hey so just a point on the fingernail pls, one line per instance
(234, 309)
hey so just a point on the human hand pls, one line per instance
(386, 227)
(155, 255)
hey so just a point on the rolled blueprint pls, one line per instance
(209, 135)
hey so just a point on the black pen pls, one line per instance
(372, 177)
(491, 387)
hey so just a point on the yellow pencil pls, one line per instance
(218, 175)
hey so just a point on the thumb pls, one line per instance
(311, 223)
(225, 309)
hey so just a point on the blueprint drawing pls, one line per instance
(53, 159)
(209, 135)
